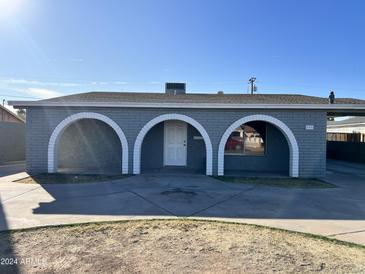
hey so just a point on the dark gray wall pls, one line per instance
(153, 149)
(276, 158)
(196, 158)
(312, 143)
(346, 151)
(12, 142)
(89, 146)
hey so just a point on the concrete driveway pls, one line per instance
(337, 213)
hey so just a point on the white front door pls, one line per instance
(175, 143)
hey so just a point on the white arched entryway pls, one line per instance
(293, 145)
(57, 132)
(166, 117)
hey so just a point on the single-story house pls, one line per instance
(351, 129)
(9, 117)
(350, 125)
(217, 134)
(346, 139)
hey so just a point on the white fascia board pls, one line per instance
(188, 105)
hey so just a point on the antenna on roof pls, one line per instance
(252, 81)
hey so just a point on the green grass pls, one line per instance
(58, 178)
(277, 182)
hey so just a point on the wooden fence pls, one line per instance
(346, 137)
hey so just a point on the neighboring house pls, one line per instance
(346, 139)
(8, 116)
(217, 134)
(353, 125)
(12, 137)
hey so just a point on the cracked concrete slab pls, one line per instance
(183, 195)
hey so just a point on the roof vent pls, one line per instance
(175, 88)
(331, 98)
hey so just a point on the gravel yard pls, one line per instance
(176, 246)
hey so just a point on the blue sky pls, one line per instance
(49, 48)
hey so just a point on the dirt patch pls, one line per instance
(177, 246)
(277, 182)
(57, 178)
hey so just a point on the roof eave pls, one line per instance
(329, 107)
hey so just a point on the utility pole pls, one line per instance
(2, 111)
(252, 83)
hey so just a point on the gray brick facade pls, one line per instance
(41, 121)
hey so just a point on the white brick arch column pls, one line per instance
(293, 144)
(57, 133)
(166, 117)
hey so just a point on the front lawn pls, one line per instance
(177, 246)
(277, 182)
(59, 178)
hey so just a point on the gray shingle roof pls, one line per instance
(134, 97)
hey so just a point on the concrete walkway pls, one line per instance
(337, 212)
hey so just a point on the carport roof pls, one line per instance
(193, 100)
